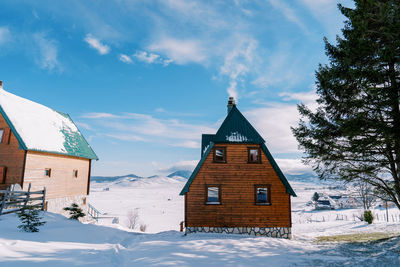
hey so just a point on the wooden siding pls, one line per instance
(11, 157)
(237, 179)
(61, 183)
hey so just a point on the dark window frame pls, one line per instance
(259, 155)
(45, 172)
(206, 202)
(215, 153)
(268, 186)
(2, 132)
(75, 173)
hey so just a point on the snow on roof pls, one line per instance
(43, 129)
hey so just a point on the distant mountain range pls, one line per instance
(103, 179)
(133, 177)
(186, 174)
(182, 173)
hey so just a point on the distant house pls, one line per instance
(43, 147)
(237, 187)
(323, 205)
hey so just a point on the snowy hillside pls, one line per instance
(62, 242)
(156, 200)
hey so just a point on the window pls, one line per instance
(75, 173)
(47, 172)
(3, 171)
(213, 194)
(5, 136)
(263, 194)
(254, 155)
(220, 155)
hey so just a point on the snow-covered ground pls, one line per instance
(62, 242)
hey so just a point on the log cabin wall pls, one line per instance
(237, 179)
(61, 182)
(11, 157)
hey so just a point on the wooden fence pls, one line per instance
(378, 217)
(15, 201)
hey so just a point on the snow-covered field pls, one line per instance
(62, 242)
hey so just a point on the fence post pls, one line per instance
(27, 195)
(3, 203)
(44, 198)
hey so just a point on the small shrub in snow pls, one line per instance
(143, 227)
(132, 218)
(75, 211)
(315, 197)
(30, 219)
(368, 217)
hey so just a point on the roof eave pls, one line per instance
(14, 131)
(185, 189)
(278, 171)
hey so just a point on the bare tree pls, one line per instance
(132, 218)
(143, 227)
(365, 191)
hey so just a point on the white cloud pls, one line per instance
(327, 13)
(125, 58)
(96, 44)
(289, 13)
(282, 67)
(99, 115)
(47, 52)
(5, 35)
(146, 57)
(273, 121)
(187, 144)
(126, 137)
(181, 51)
(236, 64)
(151, 58)
(187, 165)
(293, 166)
(304, 97)
(83, 125)
(144, 127)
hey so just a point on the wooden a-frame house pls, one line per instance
(237, 187)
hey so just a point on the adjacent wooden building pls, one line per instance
(237, 187)
(43, 147)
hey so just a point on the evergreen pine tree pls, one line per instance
(354, 134)
(75, 211)
(315, 197)
(30, 219)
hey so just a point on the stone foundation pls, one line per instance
(279, 232)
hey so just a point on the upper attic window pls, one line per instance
(254, 155)
(1, 135)
(220, 154)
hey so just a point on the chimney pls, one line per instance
(1, 84)
(231, 103)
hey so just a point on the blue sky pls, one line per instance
(144, 79)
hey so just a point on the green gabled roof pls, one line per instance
(196, 170)
(236, 129)
(75, 144)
